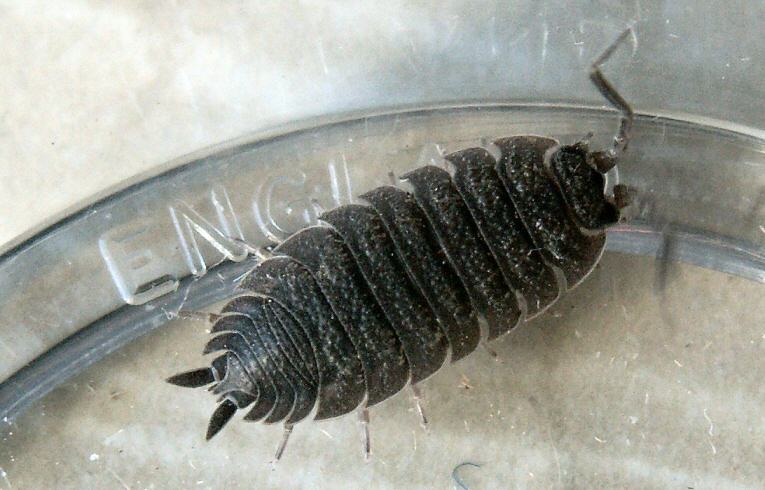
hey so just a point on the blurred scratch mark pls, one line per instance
(493, 35)
(458, 483)
(4, 476)
(183, 77)
(580, 44)
(633, 36)
(131, 94)
(117, 477)
(710, 432)
(8, 348)
(711, 424)
(410, 55)
(545, 38)
(42, 322)
(322, 58)
(555, 453)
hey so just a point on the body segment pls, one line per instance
(380, 294)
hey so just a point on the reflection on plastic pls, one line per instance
(135, 268)
(340, 180)
(431, 154)
(139, 268)
(297, 212)
(189, 223)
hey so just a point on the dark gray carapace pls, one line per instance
(381, 294)
(346, 314)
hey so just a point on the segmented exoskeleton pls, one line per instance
(381, 294)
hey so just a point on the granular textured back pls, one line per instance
(345, 314)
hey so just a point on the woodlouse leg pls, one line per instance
(283, 443)
(604, 159)
(365, 439)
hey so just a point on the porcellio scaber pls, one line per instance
(379, 295)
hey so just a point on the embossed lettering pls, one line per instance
(226, 239)
(136, 270)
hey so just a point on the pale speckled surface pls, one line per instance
(618, 386)
(97, 93)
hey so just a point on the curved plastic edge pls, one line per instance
(121, 327)
(15, 246)
(107, 335)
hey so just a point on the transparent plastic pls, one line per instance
(135, 260)
(127, 264)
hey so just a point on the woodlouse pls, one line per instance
(346, 313)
